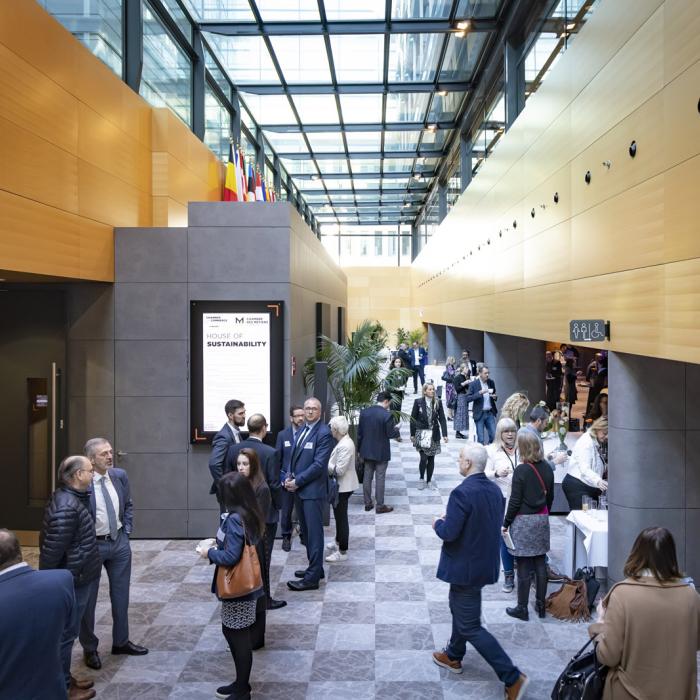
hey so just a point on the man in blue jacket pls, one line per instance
(419, 358)
(469, 560)
(308, 480)
(113, 512)
(376, 427)
(36, 607)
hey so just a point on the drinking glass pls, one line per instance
(585, 503)
(603, 503)
(593, 504)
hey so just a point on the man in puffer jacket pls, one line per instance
(68, 542)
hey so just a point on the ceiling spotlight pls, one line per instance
(442, 93)
(460, 34)
(571, 26)
(432, 127)
(463, 25)
(315, 177)
(417, 176)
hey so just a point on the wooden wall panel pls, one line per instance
(627, 246)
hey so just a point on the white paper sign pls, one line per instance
(235, 364)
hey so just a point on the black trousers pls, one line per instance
(342, 527)
(418, 373)
(574, 489)
(240, 644)
(426, 463)
(525, 567)
(268, 544)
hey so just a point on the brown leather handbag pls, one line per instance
(570, 602)
(242, 578)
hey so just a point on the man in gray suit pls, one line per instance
(112, 511)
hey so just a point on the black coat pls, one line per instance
(419, 419)
(68, 536)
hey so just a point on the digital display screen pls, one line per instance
(235, 364)
(236, 352)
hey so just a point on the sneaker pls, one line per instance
(508, 582)
(336, 556)
(226, 691)
(331, 547)
(442, 659)
(517, 690)
(421, 485)
(433, 485)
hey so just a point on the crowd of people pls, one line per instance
(498, 517)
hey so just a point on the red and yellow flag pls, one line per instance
(231, 182)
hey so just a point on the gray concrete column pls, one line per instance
(436, 343)
(458, 339)
(654, 456)
(516, 364)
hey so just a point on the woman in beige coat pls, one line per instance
(650, 628)
(341, 464)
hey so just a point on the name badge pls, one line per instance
(309, 446)
(287, 443)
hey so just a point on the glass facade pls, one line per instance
(166, 79)
(217, 121)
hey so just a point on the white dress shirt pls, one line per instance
(101, 519)
(486, 396)
(236, 432)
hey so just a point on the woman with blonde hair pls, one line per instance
(427, 423)
(341, 465)
(527, 521)
(515, 407)
(502, 460)
(588, 465)
(648, 630)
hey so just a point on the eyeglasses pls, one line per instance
(312, 408)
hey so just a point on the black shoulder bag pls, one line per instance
(583, 678)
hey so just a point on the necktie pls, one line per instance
(111, 515)
(302, 435)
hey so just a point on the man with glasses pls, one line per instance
(307, 478)
(112, 510)
(68, 541)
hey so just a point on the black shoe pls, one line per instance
(131, 649)
(226, 691)
(369, 507)
(273, 604)
(519, 611)
(301, 586)
(258, 645)
(92, 660)
(459, 436)
(300, 573)
(541, 608)
(286, 543)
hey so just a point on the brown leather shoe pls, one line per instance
(80, 694)
(442, 659)
(517, 690)
(384, 509)
(83, 684)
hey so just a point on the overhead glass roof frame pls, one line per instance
(366, 82)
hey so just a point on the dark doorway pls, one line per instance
(32, 430)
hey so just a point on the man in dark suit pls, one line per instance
(230, 433)
(482, 391)
(112, 510)
(308, 480)
(419, 358)
(35, 609)
(402, 352)
(471, 364)
(285, 444)
(269, 463)
(469, 560)
(376, 427)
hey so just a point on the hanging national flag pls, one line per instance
(231, 181)
(250, 197)
(241, 175)
(266, 198)
(258, 188)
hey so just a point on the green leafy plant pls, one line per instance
(354, 369)
(417, 336)
(402, 336)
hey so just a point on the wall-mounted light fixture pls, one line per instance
(556, 197)
(633, 149)
(515, 224)
(532, 212)
(587, 177)
(607, 164)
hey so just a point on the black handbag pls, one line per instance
(587, 574)
(583, 678)
(333, 490)
(359, 467)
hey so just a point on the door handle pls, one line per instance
(121, 454)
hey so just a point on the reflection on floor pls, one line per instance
(368, 632)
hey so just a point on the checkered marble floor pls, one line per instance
(367, 632)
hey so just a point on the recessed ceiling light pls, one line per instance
(315, 177)
(432, 127)
(463, 25)
(460, 34)
(571, 26)
(442, 93)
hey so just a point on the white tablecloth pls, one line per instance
(587, 544)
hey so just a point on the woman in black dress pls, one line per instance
(427, 423)
(460, 381)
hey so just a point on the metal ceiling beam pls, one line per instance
(340, 155)
(372, 126)
(354, 88)
(316, 28)
(363, 176)
(385, 190)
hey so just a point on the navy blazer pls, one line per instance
(471, 533)
(284, 447)
(375, 429)
(35, 608)
(474, 395)
(309, 462)
(422, 357)
(219, 447)
(269, 463)
(126, 507)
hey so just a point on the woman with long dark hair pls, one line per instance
(241, 523)
(460, 382)
(648, 630)
(248, 464)
(427, 423)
